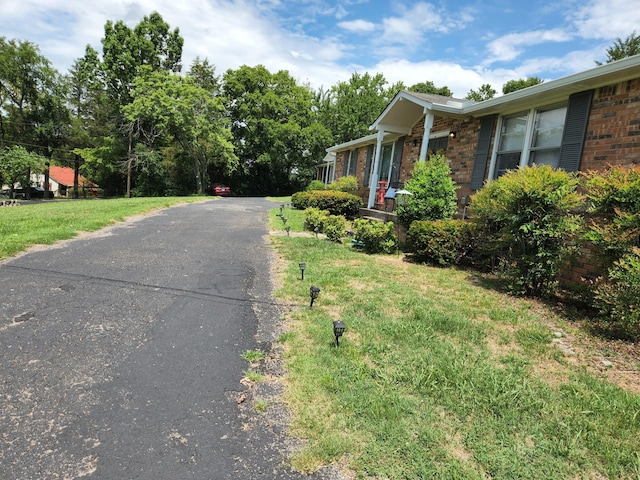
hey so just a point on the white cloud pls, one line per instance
(509, 47)
(357, 26)
(606, 19)
(458, 78)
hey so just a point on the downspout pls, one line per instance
(428, 125)
(374, 171)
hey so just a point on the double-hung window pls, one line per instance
(527, 138)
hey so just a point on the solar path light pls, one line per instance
(313, 292)
(302, 266)
(338, 329)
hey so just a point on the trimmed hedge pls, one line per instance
(337, 203)
(440, 242)
(376, 237)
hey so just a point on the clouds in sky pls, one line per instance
(461, 44)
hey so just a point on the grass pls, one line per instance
(253, 356)
(438, 376)
(44, 223)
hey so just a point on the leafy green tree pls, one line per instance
(623, 48)
(429, 87)
(277, 135)
(150, 44)
(485, 92)
(204, 76)
(124, 51)
(433, 193)
(168, 107)
(348, 108)
(93, 124)
(24, 74)
(16, 166)
(515, 85)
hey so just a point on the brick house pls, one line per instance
(585, 121)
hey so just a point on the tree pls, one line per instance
(24, 74)
(277, 135)
(151, 44)
(16, 165)
(623, 48)
(124, 51)
(168, 108)
(348, 108)
(204, 76)
(514, 85)
(429, 87)
(485, 92)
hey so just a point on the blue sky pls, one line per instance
(461, 44)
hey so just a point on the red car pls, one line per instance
(218, 189)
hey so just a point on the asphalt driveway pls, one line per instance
(120, 351)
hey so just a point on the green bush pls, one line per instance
(315, 218)
(440, 242)
(526, 222)
(337, 203)
(617, 297)
(614, 199)
(335, 227)
(376, 237)
(315, 185)
(348, 184)
(433, 193)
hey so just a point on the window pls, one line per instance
(528, 138)
(511, 143)
(547, 137)
(353, 161)
(385, 162)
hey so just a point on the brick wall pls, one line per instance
(613, 131)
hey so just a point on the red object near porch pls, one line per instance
(382, 189)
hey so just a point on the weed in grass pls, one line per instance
(254, 376)
(260, 406)
(286, 337)
(253, 356)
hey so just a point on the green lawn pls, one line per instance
(48, 222)
(440, 376)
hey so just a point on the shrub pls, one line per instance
(348, 184)
(440, 242)
(315, 185)
(618, 296)
(335, 227)
(526, 222)
(376, 237)
(337, 203)
(433, 193)
(614, 199)
(315, 218)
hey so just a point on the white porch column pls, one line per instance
(373, 181)
(428, 125)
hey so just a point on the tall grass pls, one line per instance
(51, 221)
(439, 377)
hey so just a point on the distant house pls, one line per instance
(61, 181)
(586, 121)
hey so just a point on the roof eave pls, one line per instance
(556, 90)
